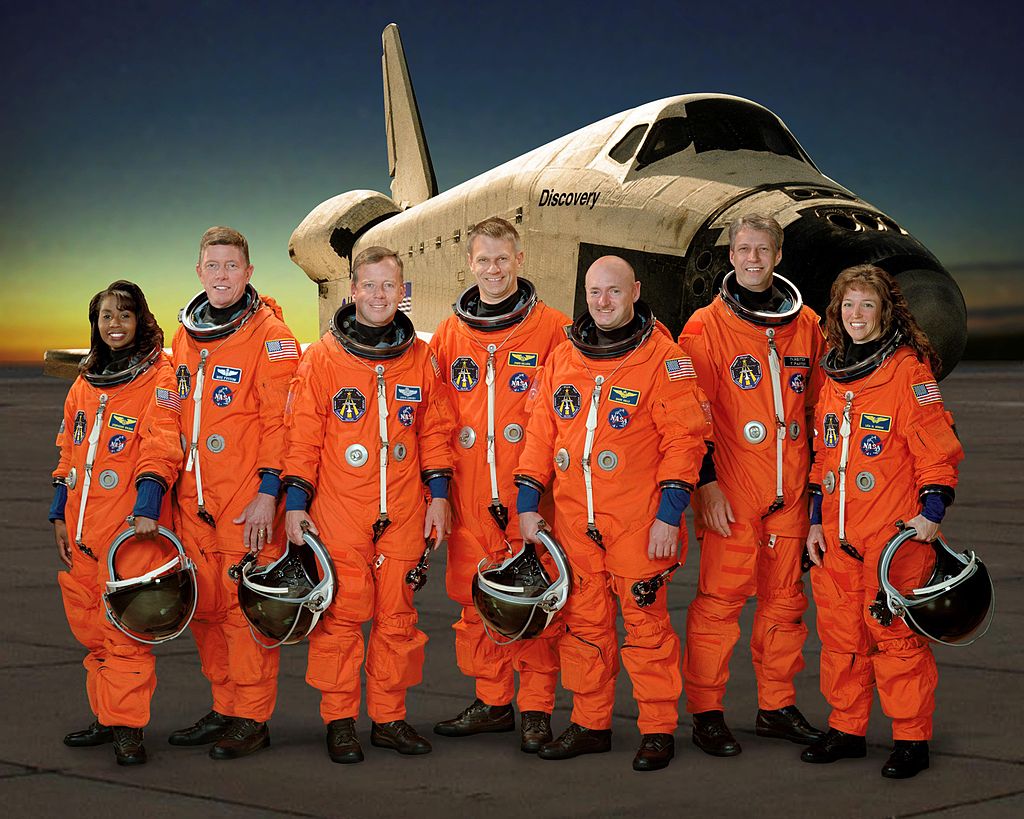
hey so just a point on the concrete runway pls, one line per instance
(977, 762)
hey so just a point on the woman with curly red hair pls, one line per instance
(885, 450)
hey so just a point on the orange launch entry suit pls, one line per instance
(138, 436)
(762, 555)
(650, 432)
(900, 442)
(333, 454)
(241, 437)
(520, 350)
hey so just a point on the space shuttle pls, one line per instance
(657, 184)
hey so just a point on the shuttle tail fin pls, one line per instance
(412, 173)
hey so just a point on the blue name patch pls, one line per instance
(405, 393)
(516, 359)
(124, 423)
(877, 423)
(232, 375)
(621, 395)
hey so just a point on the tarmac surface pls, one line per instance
(977, 759)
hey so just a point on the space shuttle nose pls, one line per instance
(826, 240)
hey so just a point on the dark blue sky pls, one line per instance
(130, 127)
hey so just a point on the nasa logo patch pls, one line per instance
(116, 444)
(871, 445)
(184, 378)
(745, 371)
(78, 434)
(519, 382)
(465, 373)
(221, 396)
(566, 401)
(830, 430)
(797, 382)
(618, 418)
(349, 404)
(406, 415)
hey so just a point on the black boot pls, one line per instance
(534, 730)
(478, 718)
(342, 742)
(95, 734)
(576, 740)
(908, 758)
(712, 735)
(655, 752)
(208, 729)
(787, 723)
(242, 737)
(128, 748)
(400, 736)
(835, 746)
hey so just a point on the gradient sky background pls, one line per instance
(130, 127)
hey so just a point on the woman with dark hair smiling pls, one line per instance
(885, 450)
(119, 452)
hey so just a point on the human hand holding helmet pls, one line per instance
(529, 524)
(60, 534)
(927, 530)
(816, 543)
(715, 511)
(145, 528)
(296, 521)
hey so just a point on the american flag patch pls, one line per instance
(679, 368)
(405, 305)
(282, 349)
(927, 393)
(168, 399)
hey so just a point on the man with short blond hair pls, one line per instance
(490, 352)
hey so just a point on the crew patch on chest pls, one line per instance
(516, 359)
(566, 401)
(465, 373)
(349, 404)
(621, 395)
(78, 434)
(830, 430)
(876, 423)
(745, 371)
(184, 379)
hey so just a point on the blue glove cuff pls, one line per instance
(270, 484)
(295, 499)
(934, 508)
(60, 497)
(149, 499)
(816, 509)
(438, 486)
(528, 499)
(672, 505)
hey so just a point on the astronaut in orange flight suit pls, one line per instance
(121, 422)
(756, 352)
(617, 423)
(499, 331)
(368, 425)
(234, 357)
(885, 451)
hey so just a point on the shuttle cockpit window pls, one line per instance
(719, 125)
(626, 147)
